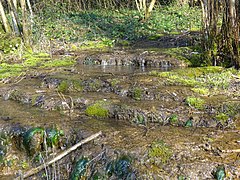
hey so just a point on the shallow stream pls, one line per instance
(139, 108)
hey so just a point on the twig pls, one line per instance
(59, 156)
(231, 151)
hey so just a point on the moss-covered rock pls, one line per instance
(98, 109)
(33, 139)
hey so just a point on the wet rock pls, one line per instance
(33, 140)
(127, 58)
(50, 83)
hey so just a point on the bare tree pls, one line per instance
(25, 30)
(15, 20)
(145, 7)
(4, 19)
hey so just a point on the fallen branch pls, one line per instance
(59, 156)
(231, 151)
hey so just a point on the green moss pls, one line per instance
(203, 77)
(197, 103)
(25, 165)
(35, 59)
(173, 119)
(98, 110)
(114, 82)
(137, 94)
(156, 36)
(59, 63)
(102, 43)
(179, 53)
(77, 85)
(43, 60)
(32, 60)
(201, 91)
(161, 150)
(121, 42)
(63, 87)
(222, 118)
(10, 70)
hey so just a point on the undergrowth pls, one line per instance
(105, 28)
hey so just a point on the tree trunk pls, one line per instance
(149, 9)
(220, 44)
(4, 19)
(15, 19)
(25, 29)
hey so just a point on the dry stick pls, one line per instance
(60, 156)
(231, 151)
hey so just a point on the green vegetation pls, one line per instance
(195, 102)
(220, 173)
(121, 167)
(33, 139)
(114, 82)
(137, 93)
(140, 119)
(30, 61)
(189, 123)
(70, 85)
(10, 70)
(227, 111)
(63, 87)
(222, 118)
(79, 169)
(201, 90)
(202, 79)
(95, 84)
(161, 150)
(9, 44)
(173, 119)
(53, 137)
(98, 110)
(101, 28)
